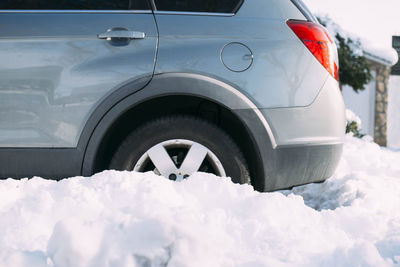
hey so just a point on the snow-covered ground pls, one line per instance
(131, 219)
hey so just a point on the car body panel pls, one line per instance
(271, 9)
(283, 73)
(63, 89)
(57, 71)
(283, 166)
(322, 122)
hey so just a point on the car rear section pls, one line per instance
(258, 50)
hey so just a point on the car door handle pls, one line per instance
(121, 34)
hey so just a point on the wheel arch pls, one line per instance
(248, 128)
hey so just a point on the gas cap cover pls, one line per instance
(236, 57)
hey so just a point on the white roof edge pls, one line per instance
(378, 59)
(383, 55)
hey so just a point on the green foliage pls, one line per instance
(353, 128)
(354, 69)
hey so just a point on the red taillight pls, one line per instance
(318, 41)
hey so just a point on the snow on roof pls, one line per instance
(383, 55)
(386, 56)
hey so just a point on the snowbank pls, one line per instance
(131, 219)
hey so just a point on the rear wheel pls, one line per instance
(176, 147)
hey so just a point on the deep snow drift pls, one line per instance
(131, 219)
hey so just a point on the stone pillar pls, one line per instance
(381, 104)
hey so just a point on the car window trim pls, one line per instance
(188, 13)
(71, 11)
(164, 12)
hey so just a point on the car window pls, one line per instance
(214, 6)
(74, 4)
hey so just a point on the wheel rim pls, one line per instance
(177, 159)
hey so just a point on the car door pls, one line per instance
(61, 58)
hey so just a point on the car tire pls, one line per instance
(187, 140)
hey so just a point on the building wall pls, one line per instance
(371, 104)
(381, 102)
(362, 104)
(394, 100)
(394, 112)
(396, 46)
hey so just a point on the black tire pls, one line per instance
(182, 127)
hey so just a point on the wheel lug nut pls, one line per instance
(172, 177)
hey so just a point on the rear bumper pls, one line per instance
(309, 140)
(292, 166)
(306, 142)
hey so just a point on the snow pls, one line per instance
(387, 56)
(131, 219)
(351, 116)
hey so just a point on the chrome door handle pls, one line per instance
(120, 34)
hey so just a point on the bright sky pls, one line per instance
(374, 20)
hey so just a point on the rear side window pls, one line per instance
(74, 4)
(211, 6)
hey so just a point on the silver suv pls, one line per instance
(239, 88)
